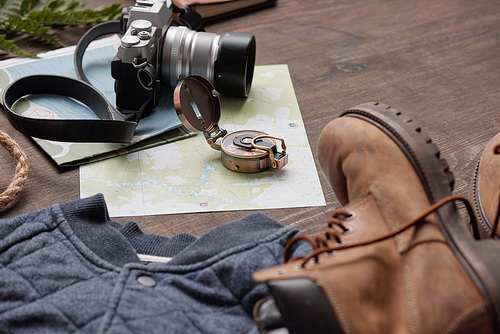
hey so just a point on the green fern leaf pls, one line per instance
(36, 17)
(9, 7)
(74, 5)
(9, 46)
(56, 5)
(27, 6)
(73, 18)
(17, 23)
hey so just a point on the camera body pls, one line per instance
(154, 53)
(136, 66)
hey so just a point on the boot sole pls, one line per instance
(479, 257)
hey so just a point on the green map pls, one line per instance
(187, 175)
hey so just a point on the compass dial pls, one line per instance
(228, 146)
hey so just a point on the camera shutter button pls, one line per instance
(129, 41)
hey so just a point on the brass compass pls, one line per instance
(245, 151)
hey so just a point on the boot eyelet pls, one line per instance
(314, 262)
(339, 244)
(280, 273)
(329, 254)
(348, 230)
(351, 216)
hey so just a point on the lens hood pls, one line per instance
(234, 67)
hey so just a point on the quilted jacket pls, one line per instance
(69, 268)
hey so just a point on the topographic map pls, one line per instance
(161, 126)
(188, 176)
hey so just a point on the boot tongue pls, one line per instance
(412, 235)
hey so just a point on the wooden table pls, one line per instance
(438, 61)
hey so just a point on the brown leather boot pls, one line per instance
(398, 258)
(485, 190)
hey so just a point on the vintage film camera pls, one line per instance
(155, 53)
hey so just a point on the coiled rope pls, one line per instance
(21, 173)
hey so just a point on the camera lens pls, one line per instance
(226, 60)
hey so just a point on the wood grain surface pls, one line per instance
(438, 61)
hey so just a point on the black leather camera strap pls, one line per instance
(101, 29)
(112, 126)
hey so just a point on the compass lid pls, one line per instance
(196, 105)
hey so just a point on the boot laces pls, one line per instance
(331, 241)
